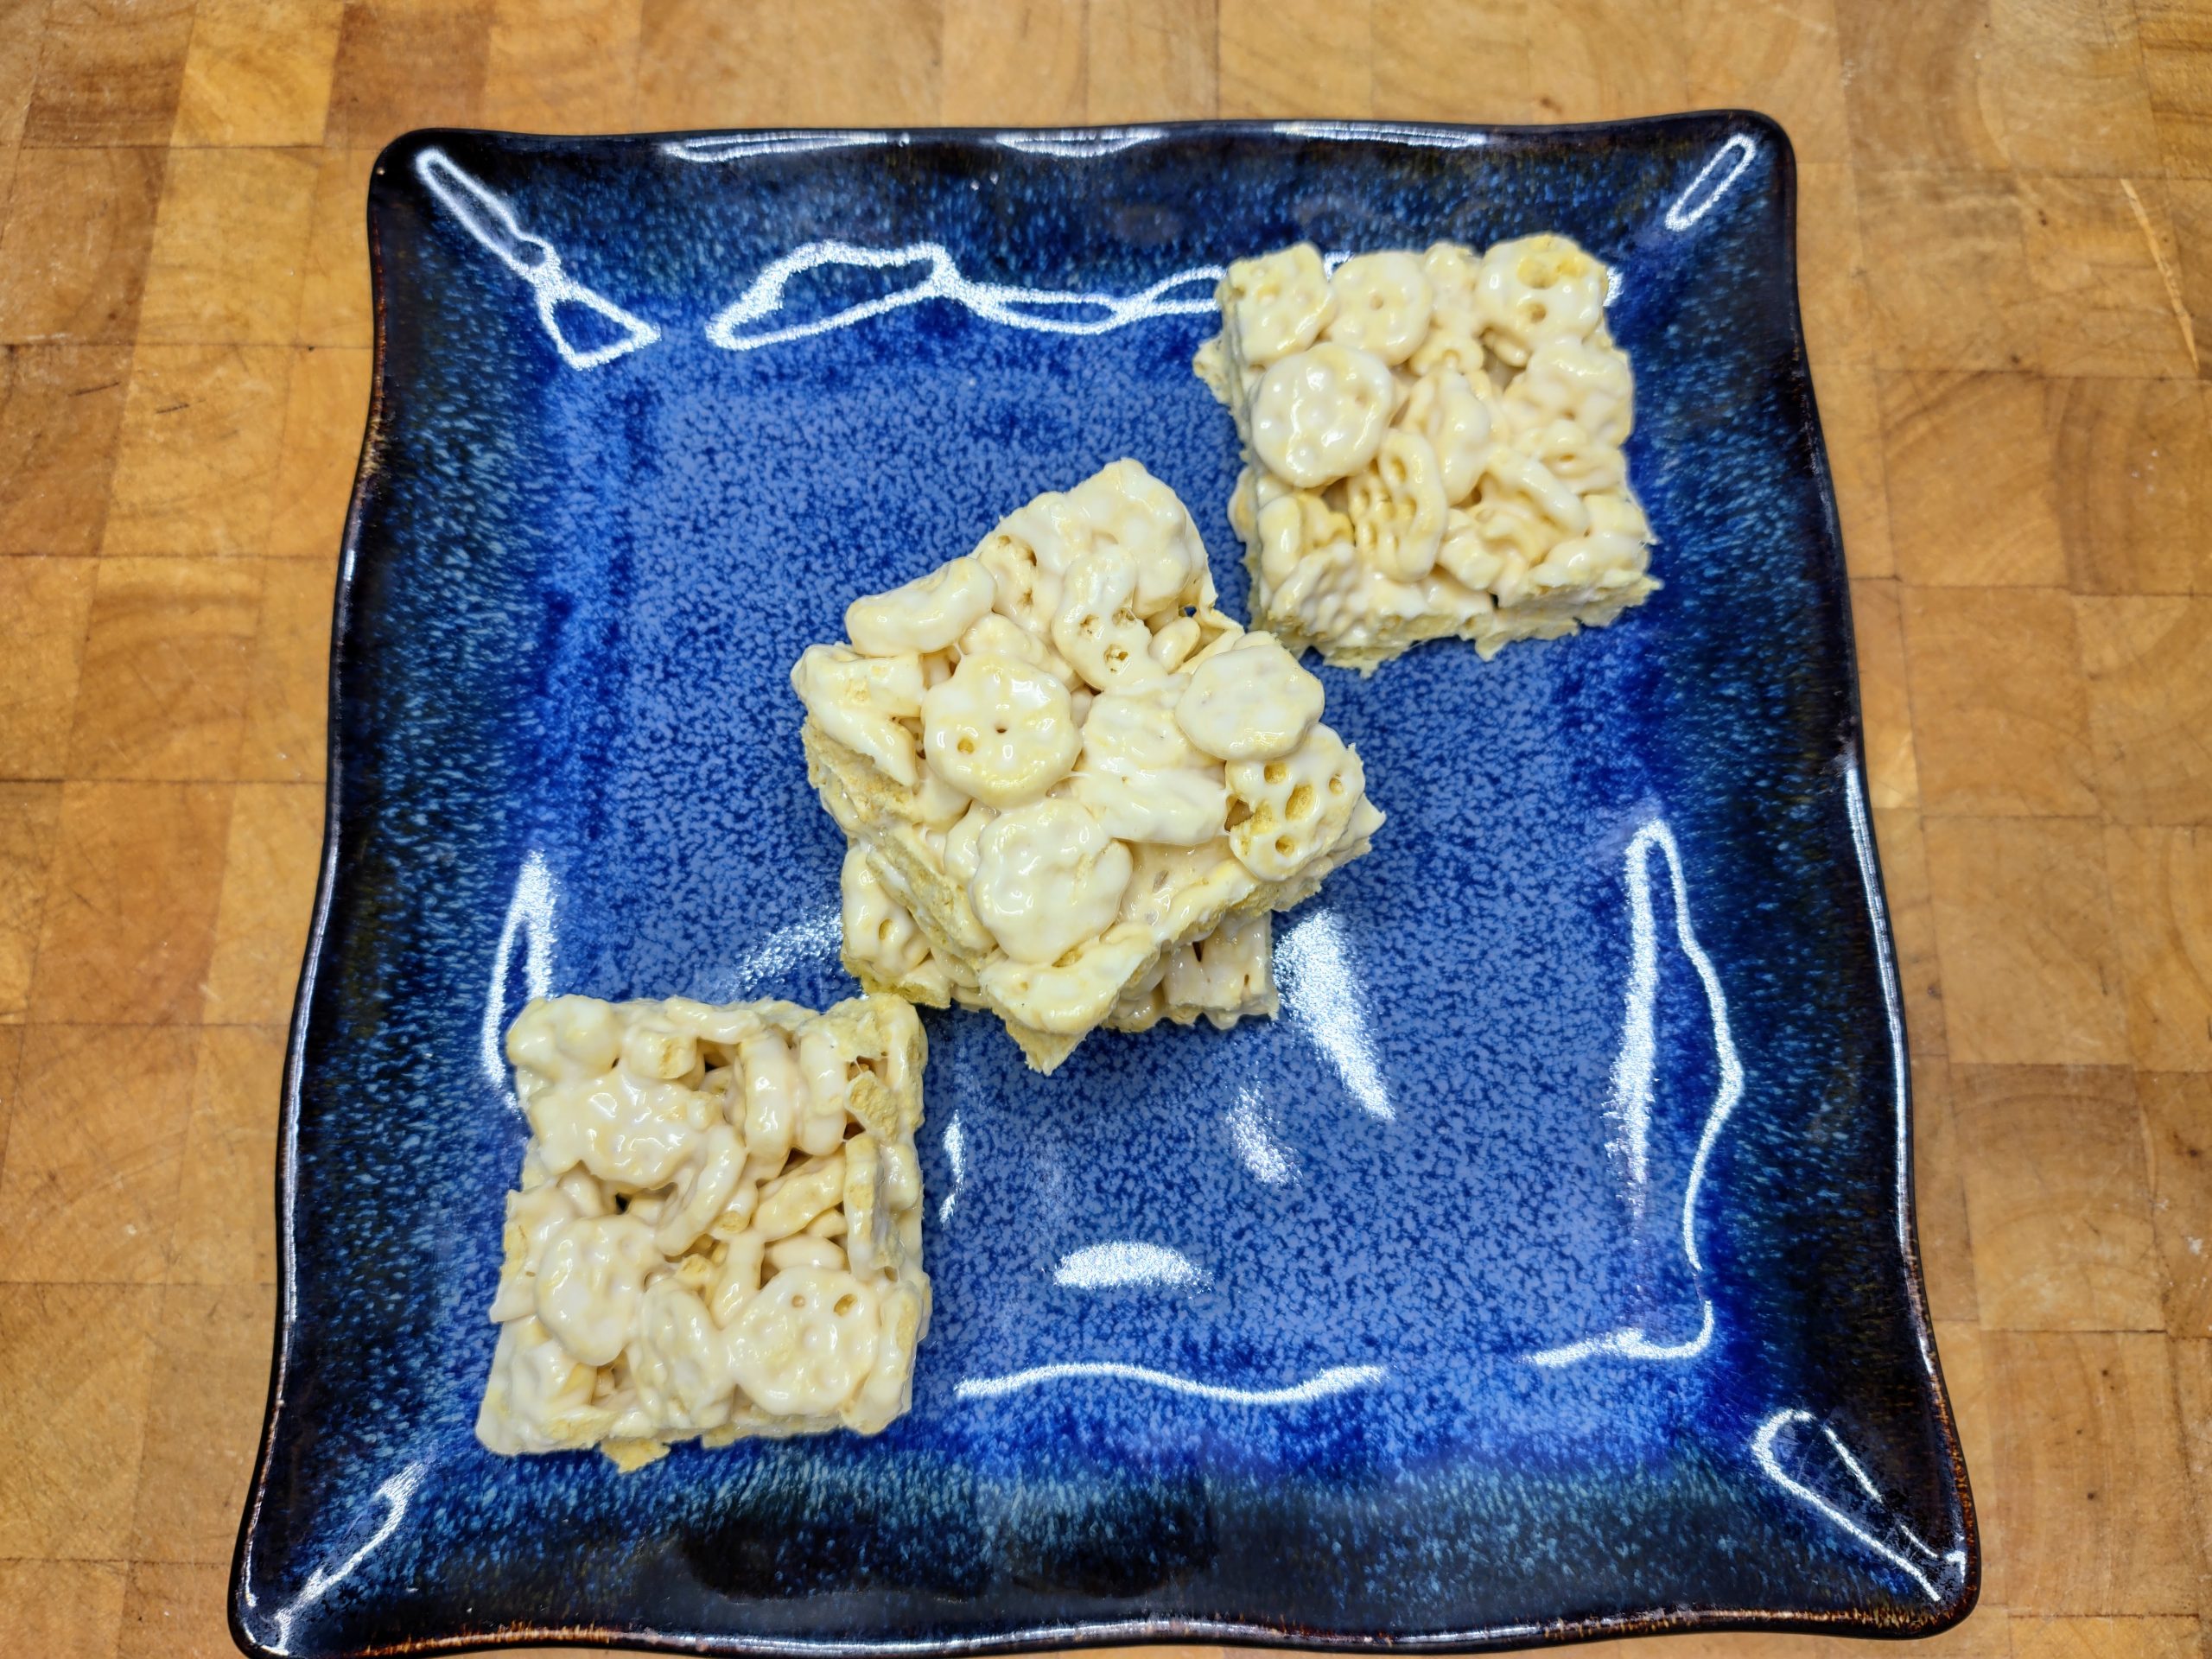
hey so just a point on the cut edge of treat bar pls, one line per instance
(1489, 634)
(855, 793)
(931, 992)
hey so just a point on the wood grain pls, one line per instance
(2023, 913)
(1973, 497)
(2059, 1197)
(1996, 670)
(2005, 237)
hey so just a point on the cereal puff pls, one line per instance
(1074, 790)
(1433, 446)
(719, 1228)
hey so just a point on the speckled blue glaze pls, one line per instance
(1433, 1359)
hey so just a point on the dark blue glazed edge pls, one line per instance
(1880, 1623)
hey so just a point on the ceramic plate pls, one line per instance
(1545, 1270)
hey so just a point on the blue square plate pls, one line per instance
(1546, 1270)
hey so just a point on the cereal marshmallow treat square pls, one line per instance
(718, 1231)
(1074, 790)
(1432, 445)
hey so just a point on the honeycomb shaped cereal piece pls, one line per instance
(1248, 701)
(1278, 303)
(1398, 506)
(1048, 877)
(1320, 415)
(1295, 804)
(1538, 289)
(999, 730)
(1383, 305)
(1098, 629)
(803, 1345)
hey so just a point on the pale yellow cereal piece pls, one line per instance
(1612, 556)
(860, 700)
(539, 1395)
(1587, 381)
(1099, 628)
(1211, 364)
(871, 1237)
(1460, 424)
(901, 1051)
(1000, 636)
(1251, 701)
(1538, 289)
(1298, 804)
(791, 1201)
(774, 1095)
(1448, 348)
(1397, 508)
(1136, 730)
(738, 1277)
(887, 1389)
(806, 1249)
(1291, 523)
(1466, 555)
(533, 1215)
(881, 943)
(1508, 473)
(1278, 303)
(1225, 976)
(1053, 526)
(1134, 514)
(679, 1361)
(1320, 415)
(1181, 808)
(1047, 878)
(865, 806)
(1454, 273)
(1026, 588)
(925, 615)
(1173, 642)
(1179, 893)
(806, 1341)
(877, 1109)
(1000, 730)
(1383, 301)
(1068, 998)
(703, 1190)
(1570, 455)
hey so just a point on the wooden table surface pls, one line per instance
(2007, 244)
